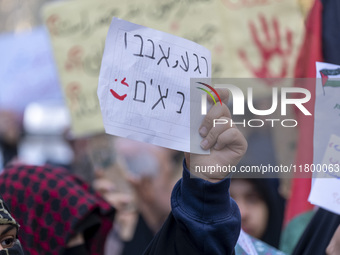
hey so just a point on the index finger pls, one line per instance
(216, 112)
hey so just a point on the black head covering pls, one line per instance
(261, 151)
(318, 233)
(269, 190)
(7, 219)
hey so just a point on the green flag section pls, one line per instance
(293, 231)
(332, 83)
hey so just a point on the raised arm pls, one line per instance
(204, 219)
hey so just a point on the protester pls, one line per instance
(9, 243)
(53, 206)
(204, 219)
(152, 172)
(10, 132)
(261, 208)
(318, 234)
(58, 212)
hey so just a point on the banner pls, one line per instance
(78, 30)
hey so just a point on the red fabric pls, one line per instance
(311, 52)
(51, 205)
(311, 49)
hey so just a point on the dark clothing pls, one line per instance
(269, 191)
(204, 220)
(8, 151)
(140, 240)
(330, 31)
(320, 230)
(267, 188)
(318, 233)
(77, 250)
(15, 250)
(172, 239)
(51, 205)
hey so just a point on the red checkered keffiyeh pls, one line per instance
(51, 205)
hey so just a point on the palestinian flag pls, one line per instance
(326, 81)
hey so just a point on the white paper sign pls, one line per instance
(326, 191)
(144, 84)
(326, 182)
(327, 107)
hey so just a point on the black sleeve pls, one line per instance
(204, 220)
(171, 240)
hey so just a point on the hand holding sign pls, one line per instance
(227, 144)
(144, 95)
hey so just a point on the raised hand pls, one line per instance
(226, 143)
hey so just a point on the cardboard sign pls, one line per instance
(78, 30)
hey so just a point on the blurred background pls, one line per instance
(32, 89)
(47, 110)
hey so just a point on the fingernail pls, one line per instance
(204, 144)
(203, 131)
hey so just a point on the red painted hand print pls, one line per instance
(269, 48)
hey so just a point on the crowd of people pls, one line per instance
(122, 197)
(136, 202)
(59, 213)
